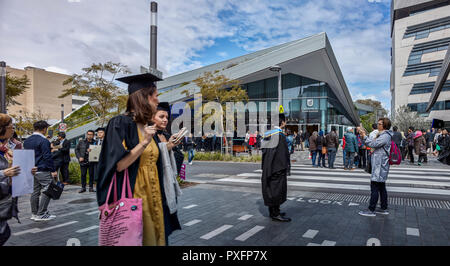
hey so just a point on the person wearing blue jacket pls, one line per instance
(351, 147)
(45, 171)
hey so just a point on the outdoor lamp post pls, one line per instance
(277, 68)
(3, 87)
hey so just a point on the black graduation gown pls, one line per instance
(119, 128)
(444, 156)
(171, 222)
(275, 165)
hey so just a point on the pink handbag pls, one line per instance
(121, 222)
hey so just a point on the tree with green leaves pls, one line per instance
(367, 120)
(404, 118)
(25, 121)
(375, 104)
(216, 87)
(15, 86)
(97, 83)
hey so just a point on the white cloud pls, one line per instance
(69, 37)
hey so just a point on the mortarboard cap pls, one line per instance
(164, 106)
(137, 82)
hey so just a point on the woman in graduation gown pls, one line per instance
(161, 119)
(129, 144)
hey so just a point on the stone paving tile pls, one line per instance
(219, 206)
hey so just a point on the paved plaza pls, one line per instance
(228, 210)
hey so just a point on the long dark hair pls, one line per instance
(138, 106)
(5, 120)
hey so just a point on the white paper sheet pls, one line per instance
(22, 184)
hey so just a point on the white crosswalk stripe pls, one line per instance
(426, 181)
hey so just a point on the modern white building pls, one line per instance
(420, 31)
(315, 96)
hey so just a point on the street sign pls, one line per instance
(62, 127)
(281, 109)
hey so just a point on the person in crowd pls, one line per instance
(54, 146)
(397, 137)
(290, 141)
(16, 141)
(420, 147)
(362, 149)
(381, 143)
(344, 157)
(130, 145)
(246, 140)
(189, 146)
(82, 152)
(300, 141)
(294, 140)
(313, 147)
(320, 142)
(332, 143)
(444, 145)
(404, 145)
(410, 141)
(251, 143)
(61, 156)
(351, 147)
(169, 194)
(306, 137)
(436, 139)
(429, 139)
(433, 145)
(8, 204)
(275, 166)
(258, 141)
(46, 171)
(98, 141)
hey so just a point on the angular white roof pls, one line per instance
(310, 57)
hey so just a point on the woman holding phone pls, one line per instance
(129, 144)
(161, 120)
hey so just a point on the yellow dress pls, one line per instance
(147, 188)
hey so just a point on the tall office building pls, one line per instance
(420, 32)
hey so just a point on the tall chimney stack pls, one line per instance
(153, 33)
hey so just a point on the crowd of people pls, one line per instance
(138, 144)
(416, 146)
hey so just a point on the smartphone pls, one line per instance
(180, 134)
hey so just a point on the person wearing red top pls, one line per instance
(343, 148)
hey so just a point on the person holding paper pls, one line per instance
(45, 173)
(8, 204)
(98, 142)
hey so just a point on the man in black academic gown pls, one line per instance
(275, 167)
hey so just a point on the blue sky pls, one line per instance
(67, 35)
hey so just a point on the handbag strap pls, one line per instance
(126, 185)
(113, 181)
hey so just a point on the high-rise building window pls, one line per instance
(422, 30)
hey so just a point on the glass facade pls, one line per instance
(306, 102)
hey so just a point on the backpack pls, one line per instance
(395, 156)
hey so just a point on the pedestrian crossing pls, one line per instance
(401, 180)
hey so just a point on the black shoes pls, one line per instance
(280, 218)
(82, 190)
